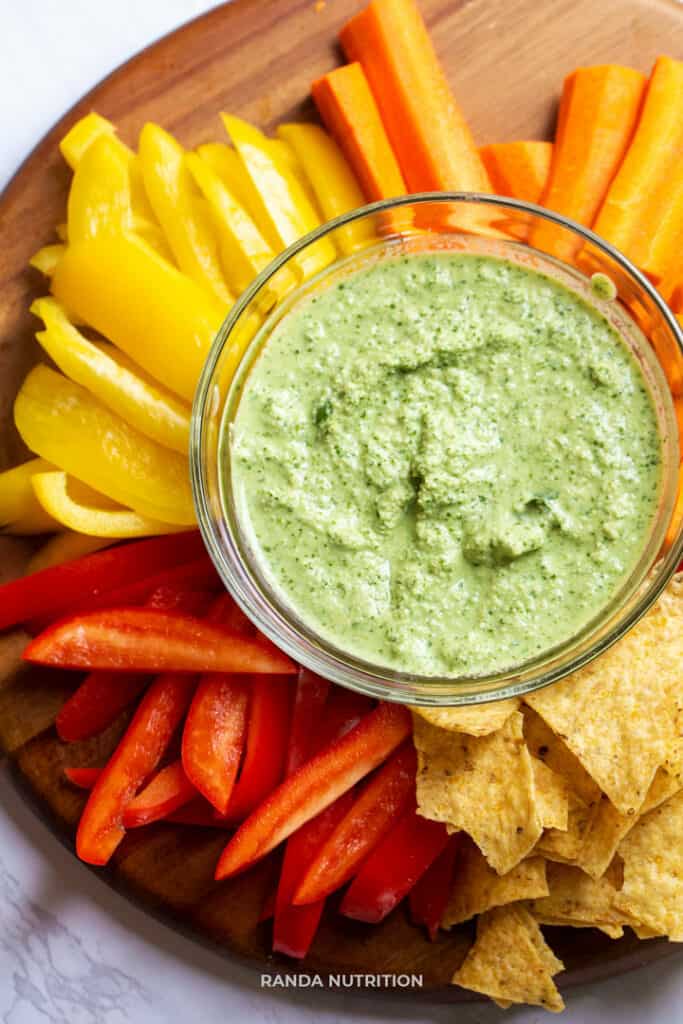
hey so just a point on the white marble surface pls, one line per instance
(72, 951)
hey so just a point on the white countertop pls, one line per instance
(71, 950)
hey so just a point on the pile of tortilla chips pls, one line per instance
(571, 805)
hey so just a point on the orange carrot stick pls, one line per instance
(518, 169)
(425, 125)
(598, 115)
(640, 194)
(676, 301)
(350, 113)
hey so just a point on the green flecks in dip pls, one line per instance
(446, 463)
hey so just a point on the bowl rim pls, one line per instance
(380, 681)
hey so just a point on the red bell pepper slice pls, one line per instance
(84, 778)
(227, 611)
(430, 894)
(55, 590)
(166, 792)
(378, 807)
(266, 746)
(214, 734)
(316, 785)
(102, 696)
(393, 867)
(198, 812)
(137, 755)
(148, 640)
(309, 701)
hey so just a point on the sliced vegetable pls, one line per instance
(286, 211)
(224, 161)
(100, 194)
(114, 379)
(84, 778)
(677, 299)
(316, 785)
(154, 313)
(288, 161)
(20, 510)
(393, 867)
(63, 423)
(147, 640)
(81, 136)
(65, 547)
(380, 805)
(430, 894)
(180, 211)
(213, 736)
(161, 710)
(55, 590)
(47, 258)
(349, 112)
(169, 790)
(599, 111)
(198, 812)
(309, 702)
(639, 195)
(518, 169)
(426, 128)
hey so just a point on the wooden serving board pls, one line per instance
(257, 58)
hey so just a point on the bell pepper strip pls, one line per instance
(288, 161)
(100, 195)
(332, 180)
(197, 812)
(224, 161)
(148, 308)
(430, 894)
(179, 210)
(349, 112)
(518, 169)
(54, 492)
(81, 136)
(113, 378)
(148, 640)
(83, 778)
(294, 927)
(316, 785)
(214, 734)
(265, 748)
(378, 807)
(62, 422)
(309, 701)
(64, 547)
(394, 867)
(137, 755)
(167, 791)
(20, 510)
(286, 211)
(55, 590)
(599, 110)
(47, 258)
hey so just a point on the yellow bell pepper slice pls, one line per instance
(288, 160)
(81, 136)
(284, 202)
(332, 180)
(146, 307)
(53, 492)
(180, 210)
(65, 547)
(226, 164)
(62, 422)
(20, 512)
(114, 379)
(100, 195)
(47, 258)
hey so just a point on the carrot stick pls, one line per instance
(425, 125)
(671, 285)
(598, 114)
(350, 113)
(677, 299)
(518, 169)
(639, 196)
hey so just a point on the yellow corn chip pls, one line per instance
(477, 720)
(549, 748)
(652, 855)
(479, 888)
(510, 961)
(576, 898)
(565, 845)
(618, 714)
(482, 785)
(552, 796)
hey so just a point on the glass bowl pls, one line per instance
(463, 222)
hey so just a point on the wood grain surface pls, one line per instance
(506, 61)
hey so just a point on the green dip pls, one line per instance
(446, 463)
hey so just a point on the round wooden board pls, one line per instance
(257, 58)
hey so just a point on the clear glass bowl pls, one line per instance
(433, 221)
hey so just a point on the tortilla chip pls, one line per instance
(510, 961)
(552, 796)
(478, 888)
(554, 752)
(612, 931)
(575, 898)
(618, 715)
(652, 854)
(475, 720)
(565, 845)
(482, 785)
